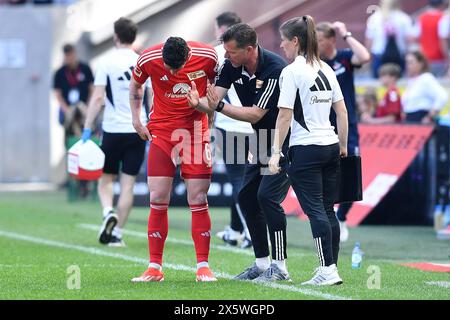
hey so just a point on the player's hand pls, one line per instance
(193, 97)
(340, 27)
(274, 163)
(142, 131)
(213, 99)
(86, 135)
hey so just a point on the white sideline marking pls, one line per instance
(138, 234)
(100, 252)
(443, 284)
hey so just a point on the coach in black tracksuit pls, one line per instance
(254, 72)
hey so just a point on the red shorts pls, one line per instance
(194, 158)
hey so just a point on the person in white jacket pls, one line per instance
(424, 97)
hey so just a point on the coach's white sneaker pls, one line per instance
(344, 231)
(325, 276)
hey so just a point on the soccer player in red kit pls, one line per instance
(178, 134)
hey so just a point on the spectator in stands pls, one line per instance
(367, 103)
(424, 97)
(388, 34)
(73, 84)
(444, 37)
(343, 62)
(389, 109)
(226, 127)
(432, 34)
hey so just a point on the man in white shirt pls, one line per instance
(123, 147)
(226, 129)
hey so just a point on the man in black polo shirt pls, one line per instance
(254, 72)
(73, 84)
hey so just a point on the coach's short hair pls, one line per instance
(327, 29)
(243, 34)
(175, 52)
(126, 30)
(227, 19)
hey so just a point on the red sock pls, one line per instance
(201, 231)
(158, 228)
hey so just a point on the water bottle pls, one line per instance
(357, 256)
(439, 217)
(446, 217)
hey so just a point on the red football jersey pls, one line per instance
(170, 106)
(390, 104)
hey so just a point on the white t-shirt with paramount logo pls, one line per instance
(310, 92)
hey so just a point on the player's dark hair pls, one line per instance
(305, 30)
(175, 52)
(68, 48)
(243, 34)
(227, 19)
(125, 30)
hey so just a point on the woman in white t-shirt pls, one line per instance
(424, 97)
(390, 20)
(308, 91)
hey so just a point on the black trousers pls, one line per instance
(260, 200)
(313, 173)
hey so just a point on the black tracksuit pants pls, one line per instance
(260, 200)
(313, 173)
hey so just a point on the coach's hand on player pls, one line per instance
(193, 97)
(213, 99)
(142, 130)
(274, 163)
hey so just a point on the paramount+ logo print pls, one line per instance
(180, 90)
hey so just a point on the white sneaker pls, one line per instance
(116, 239)
(220, 234)
(325, 276)
(230, 236)
(344, 231)
(110, 221)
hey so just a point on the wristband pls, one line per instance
(220, 106)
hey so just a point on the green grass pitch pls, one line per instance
(42, 236)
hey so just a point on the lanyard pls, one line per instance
(73, 79)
